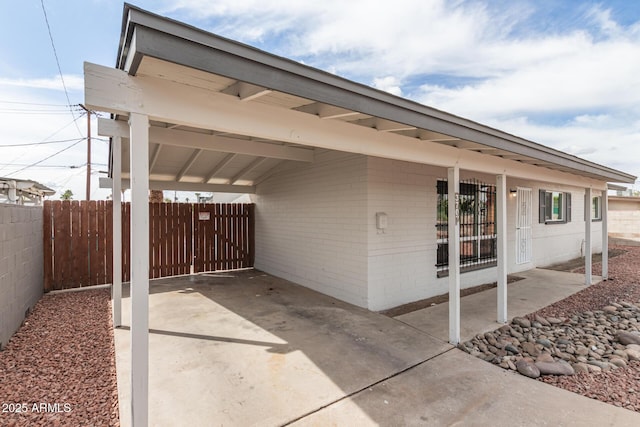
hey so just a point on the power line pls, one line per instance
(55, 53)
(36, 103)
(54, 133)
(54, 166)
(34, 113)
(46, 166)
(46, 158)
(41, 142)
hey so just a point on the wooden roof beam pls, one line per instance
(196, 140)
(185, 186)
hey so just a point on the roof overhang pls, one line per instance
(160, 48)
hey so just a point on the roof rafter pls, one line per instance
(188, 164)
(251, 166)
(325, 111)
(246, 91)
(154, 158)
(217, 168)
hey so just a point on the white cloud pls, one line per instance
(575, 88)
(600, 139)
(73, 82)
(388, 84)
(43, 116)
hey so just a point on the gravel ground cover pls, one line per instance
(59, 368)
(623, 285)
(620, 387)
(588, 343)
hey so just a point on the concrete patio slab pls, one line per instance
(246, 348)
(538, 288)
(456, 389)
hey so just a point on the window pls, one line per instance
(596, 208)
(555, 207)
(477, 206)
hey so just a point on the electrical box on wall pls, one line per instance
(382, 220)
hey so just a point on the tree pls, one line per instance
(156, 196)
(67, 195)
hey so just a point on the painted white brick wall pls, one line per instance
(552, 243)
(402, 259)
(310, 226)
(316, 226)
(21, 265)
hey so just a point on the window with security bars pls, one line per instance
(478, 247)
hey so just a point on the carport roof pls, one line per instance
(159, 47)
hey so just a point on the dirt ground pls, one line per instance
(569, 266)
(439, 299)
(577, 263)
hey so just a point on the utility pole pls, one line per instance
(88, 151)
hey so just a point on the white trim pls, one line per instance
(139, 161)
(116, 196)
(588, 237)
(501, 240)
(604, 208)
(453, 214)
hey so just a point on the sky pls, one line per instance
(562, 73)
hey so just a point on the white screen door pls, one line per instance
(523, 225)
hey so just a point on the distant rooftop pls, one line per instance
(22, 191)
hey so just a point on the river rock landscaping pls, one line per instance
(588, 343)
(592, 341)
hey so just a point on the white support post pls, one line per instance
(605, 235)
(587, 236)
(139, 161)
(453, 176)
(116, 196)
(501, 231)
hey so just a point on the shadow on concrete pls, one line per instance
(272, 347)
(261, 350)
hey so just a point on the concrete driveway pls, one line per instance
(245, 348)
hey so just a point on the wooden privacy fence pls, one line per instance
(78, 240)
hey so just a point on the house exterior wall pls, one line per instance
(552, 243)
(316, 226)
(21, 265)
(310, 225)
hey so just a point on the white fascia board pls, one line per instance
(114, 91)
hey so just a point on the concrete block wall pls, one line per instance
(624, 224)
(310, 225)
(21, 265)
